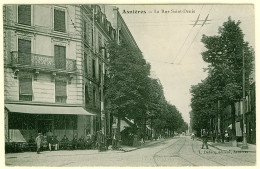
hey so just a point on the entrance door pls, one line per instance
(45, 125)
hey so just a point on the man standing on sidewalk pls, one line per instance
(204, 139)
(38, 142)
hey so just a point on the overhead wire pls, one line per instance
(185, 39)
(193, 40)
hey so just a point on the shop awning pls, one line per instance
(42, 109)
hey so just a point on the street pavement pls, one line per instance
(178, 151)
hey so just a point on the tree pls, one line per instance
(127, 82)
(224, 54)
(132, 95)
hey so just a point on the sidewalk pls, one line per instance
(147, 143)
(228, 146)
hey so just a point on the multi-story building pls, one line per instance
(43, 72)
(55, 60)
(97, 33)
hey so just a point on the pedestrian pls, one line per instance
(75, 142)
(114, 141)
(38, 142)
(226, 136)
(64, 142)
(204, 139)
(192, 136)
(51, 142)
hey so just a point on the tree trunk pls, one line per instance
(118, 126)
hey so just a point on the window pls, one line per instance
(60, 57)
(59, 20)
(24, 14)
(86, 64)
(25, 88)
(99, 44)
(24, 52)
(99, 71)
(93, 68)
(105, 50)
(85, 30)
(92, 37)
(86, 95)
(60, 91)
(94, 97)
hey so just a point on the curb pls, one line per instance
(250, 151)
(142, 146)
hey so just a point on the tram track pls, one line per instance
(175, 154)
(233, 157)
(216, 153)
(205, 157)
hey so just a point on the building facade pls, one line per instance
(43, 81)
(55, 61)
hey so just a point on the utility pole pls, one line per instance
(218, 117)
(244, 146)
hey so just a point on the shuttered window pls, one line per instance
(24, 14)
(85, 32)
(99, 44)
(59, 20)
(60, 88)
(86, 64)
(93, 68)
(25, 89)
(24, 52)
(60, 91)
(60, 57)
(86, 95)
(99, 72)
(94, 97)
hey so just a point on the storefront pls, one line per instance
(24, 121)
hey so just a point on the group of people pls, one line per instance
(52, 143)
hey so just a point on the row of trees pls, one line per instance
(224, 83)
(133, 96)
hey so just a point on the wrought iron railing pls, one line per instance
(42, 61)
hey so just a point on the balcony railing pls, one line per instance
(42, 61)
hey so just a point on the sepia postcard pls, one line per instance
(99, 84)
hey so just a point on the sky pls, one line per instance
(172, 46)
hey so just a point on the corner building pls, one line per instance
(55, 61)
(43, 72)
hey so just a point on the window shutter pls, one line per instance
(24, 46)
(25, 86)
(94, 68)
(59, 20)
(57, 56)
(85, 30)
(63, 57)
(86, 95)
(60, 57)
(24, 14)
(60, 88)
(86, 63)
(24, 51)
